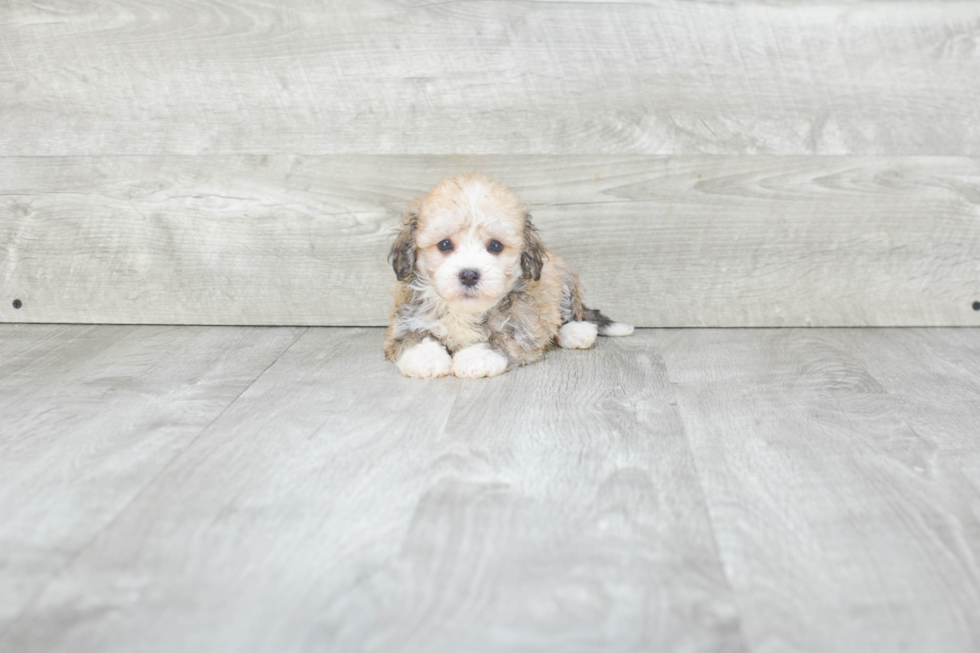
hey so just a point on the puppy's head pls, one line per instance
(471, 240)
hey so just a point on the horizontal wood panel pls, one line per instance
(497, 77)
(689, 241)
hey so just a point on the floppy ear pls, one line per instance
(532, 259)
(402, 255)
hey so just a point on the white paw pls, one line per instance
(477, 361)
(426, 360)
(577, 335)
(616, 329)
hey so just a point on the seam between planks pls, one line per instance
(736, 599)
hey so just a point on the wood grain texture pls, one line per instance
(90, 416)
(842, 527)
(498, 77)
(941, 401)
(688, 241)
(339, 506)
(689, 490)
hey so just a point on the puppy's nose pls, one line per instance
(469, 278)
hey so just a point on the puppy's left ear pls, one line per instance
(532, 259)
(402, 255)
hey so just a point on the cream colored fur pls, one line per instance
(478, 292)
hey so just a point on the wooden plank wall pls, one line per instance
(701, 163)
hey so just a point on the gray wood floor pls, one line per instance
(283, 489)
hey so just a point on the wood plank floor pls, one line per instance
(283, 489)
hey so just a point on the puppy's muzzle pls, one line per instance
(469, 278)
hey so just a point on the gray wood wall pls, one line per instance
(700, 163)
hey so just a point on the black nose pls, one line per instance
(469, 278)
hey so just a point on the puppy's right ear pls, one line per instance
(402, 255)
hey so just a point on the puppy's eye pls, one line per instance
(495, 247)
(445, 246)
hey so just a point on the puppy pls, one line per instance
(478, 292)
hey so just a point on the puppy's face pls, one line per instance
(471, 240)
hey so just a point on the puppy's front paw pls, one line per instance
(477, 361)
(426, 360)
(577, 335)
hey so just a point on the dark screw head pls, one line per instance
(18, 303)
(976, 306)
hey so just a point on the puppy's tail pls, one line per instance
(606, 326)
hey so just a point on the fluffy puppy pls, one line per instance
(478, 292)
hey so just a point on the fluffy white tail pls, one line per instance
(616, 329)
(606, 326)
